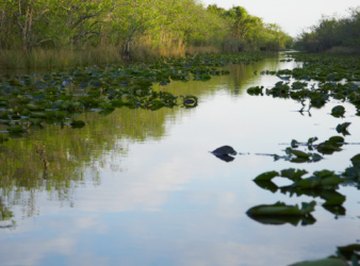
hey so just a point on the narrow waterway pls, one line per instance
(139, 187)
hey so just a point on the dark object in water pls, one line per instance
(77, 124)
(224, 153)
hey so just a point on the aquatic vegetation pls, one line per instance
(343, 128)
(258, 90)
(349, 252)
(295, 155)
(333, 144)
(267, 176)
(320, 184)
(280, 213)
(321, 78)
(338, 111)
(324, 179)
(34, 100)
(5, 213)
(345, 256)
(352, 173)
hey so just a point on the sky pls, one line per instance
(294, 16)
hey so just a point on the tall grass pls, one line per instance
(39, 59)
(45, 59)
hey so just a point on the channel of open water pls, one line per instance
(139, 187)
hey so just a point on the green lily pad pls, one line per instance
(293, 174)
(280, 213)
(349, 251)
(356, 160)
(258, 90)
(338, 111)
(300, 154)
(342, 128)
(267, 184)
(267, 176)
(281, 209)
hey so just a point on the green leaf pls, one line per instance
(293, 174)
(338, 111)
(267, 176)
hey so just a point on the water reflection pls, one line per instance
(140, 188)
(55, 159)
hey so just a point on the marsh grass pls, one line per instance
(39, 59)
(45, 59)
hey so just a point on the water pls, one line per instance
(139, 187)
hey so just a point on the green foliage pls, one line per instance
(331, 34)
(280, 213)
(138, 28)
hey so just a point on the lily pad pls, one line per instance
(280, 213)
(267, 184)
(293, 174)
(267, 176)
(281, 209)
(338, 111)
(258, 90)
(349, 251)
(342, 128)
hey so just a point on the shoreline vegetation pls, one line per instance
(333, 35)
(49, 34)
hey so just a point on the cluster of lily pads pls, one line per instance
(312, 151)
(322, 184)
(319, 80)
(38, 99)
(343, 255)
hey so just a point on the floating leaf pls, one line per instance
(267, 176)
(280, 213)
(255, 90)
(342, 128)
(267, 184)
(293, 174)
(281, 209)
(300, 154)
(333, 144)
(356, 160)
(349, 251)
(338, 111)
(294, 144)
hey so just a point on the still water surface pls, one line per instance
(138, 187)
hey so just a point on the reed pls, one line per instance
(39, 59)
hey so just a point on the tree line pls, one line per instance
(333, 34)
(159, 26)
